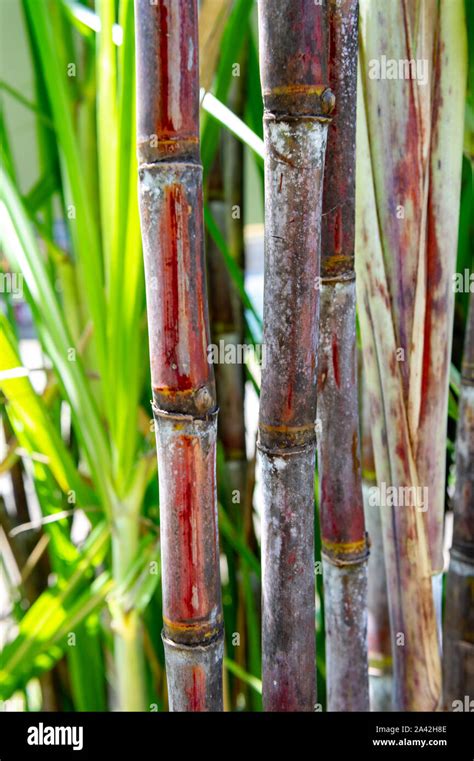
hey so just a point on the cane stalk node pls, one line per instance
(296, 100)
(337, 269)
(184, 417)
(194, 674)
(155, 151)
(212, 642)
(281, 438)
(345, 553)
(192, 633)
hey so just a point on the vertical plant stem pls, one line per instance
(459, 614)
(378, 624)
(184, 399)
(297, 103)
(233, 170)
(227, 323)
(343, 538)
(128, 644)
(225, 199)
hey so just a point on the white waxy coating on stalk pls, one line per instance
(190, 53)
(345, 589)
(295, 164)
(148, 181)
(308, 139)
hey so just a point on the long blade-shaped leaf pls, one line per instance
(22, 251)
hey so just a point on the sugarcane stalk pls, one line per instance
(184, 398)
(459, 613)
(297, 103)
(229, 376)
(233, 431)
(225, 201)
(226, 312)
(378, 624)
(343, 537)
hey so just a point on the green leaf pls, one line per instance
(233, 38)
(30, 420)
(43, 630)
(24, 256)
(234, 124)
(252, 681)
(44, 21)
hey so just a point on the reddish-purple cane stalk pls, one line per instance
(297, 103)
(459, 613)
(343, 537)
(184, 399)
